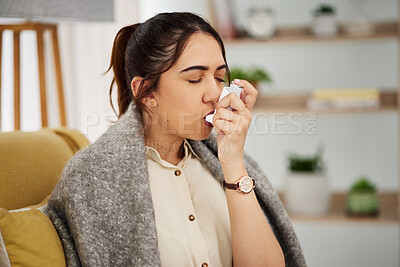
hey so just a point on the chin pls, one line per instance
(202, 134)
(198, 132)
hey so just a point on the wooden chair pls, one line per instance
(39, 28)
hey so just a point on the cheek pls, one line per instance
(180, 99)
(189, 103)
(183, 106)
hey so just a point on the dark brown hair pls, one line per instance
(148, 49)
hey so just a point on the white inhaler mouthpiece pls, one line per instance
(233, 88)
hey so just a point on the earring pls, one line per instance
(152, 103)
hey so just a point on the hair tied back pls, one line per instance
(117, 64)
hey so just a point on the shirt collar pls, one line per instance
(153, 154)
(187, 144)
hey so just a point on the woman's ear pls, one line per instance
(150, 100)
(135, 84)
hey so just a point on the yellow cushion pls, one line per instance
(75, 139)
(31, 163)
(30, 238)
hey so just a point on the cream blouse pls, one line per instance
(191, 212)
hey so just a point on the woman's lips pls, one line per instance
(208, 124)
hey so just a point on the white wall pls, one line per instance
(349, 244)
(149, 8)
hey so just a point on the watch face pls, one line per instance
(246, 184)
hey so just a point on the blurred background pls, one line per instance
(325, 127)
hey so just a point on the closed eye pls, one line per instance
(196, 81)
(199, 80)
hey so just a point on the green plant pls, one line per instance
(362, 199)
(253, 75)
(363, 185)
(324, 9)
(311, 164)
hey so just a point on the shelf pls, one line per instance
(296, 102)
(388, 211)
(387, 30)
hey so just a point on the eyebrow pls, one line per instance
(199, 67)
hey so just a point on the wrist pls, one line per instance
(232, 163)
(233, 172)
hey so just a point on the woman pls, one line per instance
(148, 192)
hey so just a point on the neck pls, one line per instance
(170, 148)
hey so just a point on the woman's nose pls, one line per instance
(212, 93)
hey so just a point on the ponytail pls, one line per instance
(117, 63)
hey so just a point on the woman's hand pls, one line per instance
(232, 126)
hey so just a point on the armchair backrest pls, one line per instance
(31, 163)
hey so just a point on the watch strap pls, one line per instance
(234, 186)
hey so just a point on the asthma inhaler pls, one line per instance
(233, 88)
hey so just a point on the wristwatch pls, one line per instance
(243, 185)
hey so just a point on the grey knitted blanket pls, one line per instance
(102, 207)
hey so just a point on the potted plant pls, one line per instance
(253, 75)
(325, 22)
(306, 188)
(362, 199)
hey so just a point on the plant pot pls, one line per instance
(307, 193)
(325, 25)
(362, 204)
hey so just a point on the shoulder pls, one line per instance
(86, 172)
(86, 159)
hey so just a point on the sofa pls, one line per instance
(30, 167)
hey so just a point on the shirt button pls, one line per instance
(191, 217)
(177, 172)
(204, 264)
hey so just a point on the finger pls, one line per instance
(225, 126)
(231, 100)
(224, 114)
(251, 93)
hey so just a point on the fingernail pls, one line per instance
(237, 80)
